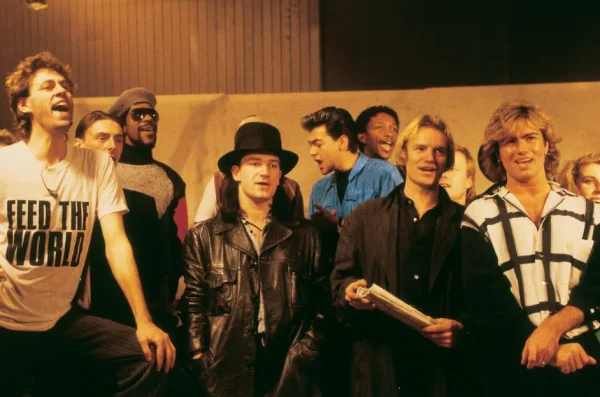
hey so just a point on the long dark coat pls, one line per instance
(369, 248)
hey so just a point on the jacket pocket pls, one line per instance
(298, 282)
(223, 286)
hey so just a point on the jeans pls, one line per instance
(82, 355)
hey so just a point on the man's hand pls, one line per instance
(571, 357)
(356, 301)
(446, 333)
(324, 216)
(2, 275)
(541, 346)
(148, 333)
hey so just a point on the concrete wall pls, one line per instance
(195, 130)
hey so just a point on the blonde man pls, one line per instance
(529, 265)
(459, 181)
(582, 176)
(406, 243)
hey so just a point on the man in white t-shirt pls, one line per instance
(50, 195)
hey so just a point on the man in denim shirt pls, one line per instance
(355, 178)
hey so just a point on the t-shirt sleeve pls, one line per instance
(110, 193)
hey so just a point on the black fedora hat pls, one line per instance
(258, 137)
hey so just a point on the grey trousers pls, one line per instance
(82, 355)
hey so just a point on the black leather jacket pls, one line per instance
(220, 307)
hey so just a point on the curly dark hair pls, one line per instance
(365, 116)
(17, 85)
(337, 122)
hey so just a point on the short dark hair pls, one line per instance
(337, 122)
(17, 85)
(7, 138)
(366, 115)
(89, 119)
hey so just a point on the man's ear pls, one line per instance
(362, 137)
(235, 173)
(23, 105)
(343, 143)
(77, 142)
(469, 182)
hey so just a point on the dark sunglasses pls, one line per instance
(138, 114)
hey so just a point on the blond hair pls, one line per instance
(411, 130)
(507, 118)
(470, 170)
(570, 174)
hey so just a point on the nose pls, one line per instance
(521, 146)
(264, 169)
(59, 90)
(111, 144)
(312, 151)
(390, 133)
(429, 156)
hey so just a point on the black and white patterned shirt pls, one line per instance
(543, 265)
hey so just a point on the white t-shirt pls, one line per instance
(44, 239)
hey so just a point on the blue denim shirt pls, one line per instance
(368, 179)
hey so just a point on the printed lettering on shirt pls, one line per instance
(30, 239)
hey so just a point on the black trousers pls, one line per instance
(82, 355)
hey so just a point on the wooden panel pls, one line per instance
(184, 37)
(230, 46)
(257, 49)
(158, 46)
(248, 37)
(304, 46)
(212, 50)
(238, 23)
(286, 46)
(295, 54)
(267, 47)
(170, 46)
(315, 46)
(176, 47)
(276, 42)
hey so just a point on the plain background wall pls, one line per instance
(195, 130)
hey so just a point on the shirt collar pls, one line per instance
(360, 163)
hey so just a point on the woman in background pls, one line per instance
(582, 176)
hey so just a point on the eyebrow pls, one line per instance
(315, 140)
(120, 133)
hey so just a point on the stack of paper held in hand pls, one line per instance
(395, 307)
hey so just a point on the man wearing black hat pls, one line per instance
(253, 282)
(157, 220)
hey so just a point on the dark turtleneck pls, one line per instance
(136, 155)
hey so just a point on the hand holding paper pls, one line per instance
(394, 306)
(446, 333)
(356, 301)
